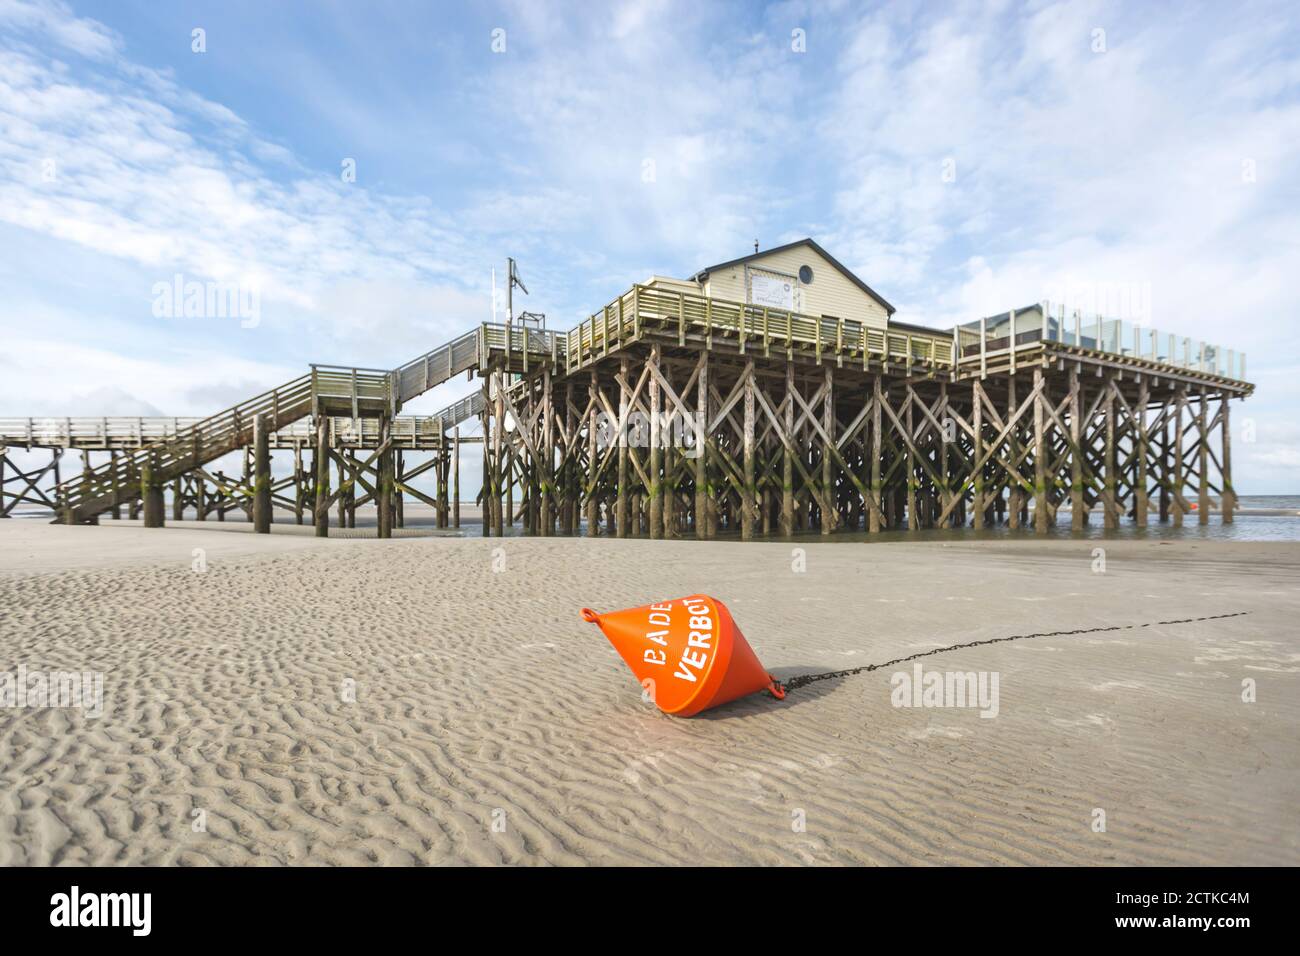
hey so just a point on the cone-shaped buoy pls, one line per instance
(687, 652)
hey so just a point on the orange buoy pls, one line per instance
(688, 653)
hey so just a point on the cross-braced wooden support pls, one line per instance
(660, 440)
(28, 485)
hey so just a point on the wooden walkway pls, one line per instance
(211, 492)
(668, 413)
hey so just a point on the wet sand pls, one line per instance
(438, 700)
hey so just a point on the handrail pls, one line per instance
(437, 366)
(1029, 328)
(76, 431)
(120, 433)
(167, 452)
(459, 411)
(203, 440)
(625, 318)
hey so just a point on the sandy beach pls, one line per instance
(437, 700)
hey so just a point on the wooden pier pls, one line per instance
(672, 414)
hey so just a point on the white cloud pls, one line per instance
(53, 19)
(58, 377)
(123, 162)
(1123, 166)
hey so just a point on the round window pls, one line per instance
(805, 275)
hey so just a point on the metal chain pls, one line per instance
(804, 679)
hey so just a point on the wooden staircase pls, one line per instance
(325, 390)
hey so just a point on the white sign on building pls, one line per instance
(775, 292)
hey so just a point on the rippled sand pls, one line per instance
(491, 725)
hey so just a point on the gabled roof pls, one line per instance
(703, 273)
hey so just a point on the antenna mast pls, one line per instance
(512, 280)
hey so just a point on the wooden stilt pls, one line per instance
(344, 489)
(1228, 499)
(322, 462)
(877, 491)
(485, 489)
(567, 483)
(1141, 451)
(669, 492)
(384, 487)
(623, 518)
(455, 477)
(978, 504)
(1078, 507)
(510, 510)
(1110, 503)
(829, 514)
(1013, 445)
(547, 501)
(261, 476)
(498, 477)
(151, 493)
(1165, 466)
(299, 493)
(910, 463)
(1202, 460)
(1042, 491)
(399, 501)
(655, 491)
(117, 492)
(593, 459)
(702, 492)
(1180, 404)
(748, 504)
(787, 456)
(945, 447)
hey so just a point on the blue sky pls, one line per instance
(1086, 146)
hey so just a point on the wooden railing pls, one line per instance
(461, 410)
(353, 386)
(529, 343)
(750, 327)
(97, 434)
(437, 366)
(119, 433)
(202, 441)
(1006, 335)
(405, 431)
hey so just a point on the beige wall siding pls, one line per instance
(830, 292)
